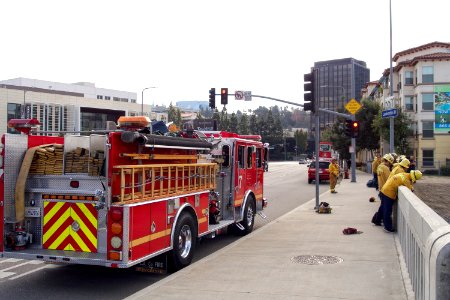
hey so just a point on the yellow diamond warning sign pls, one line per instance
(352, 106)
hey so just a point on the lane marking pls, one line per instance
(33, 262)
(12, 260)
(6, 274)
(32, 271)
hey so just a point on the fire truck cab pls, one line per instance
(119, 198)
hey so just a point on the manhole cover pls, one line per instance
(317, 259)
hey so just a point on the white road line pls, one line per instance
(33, 262)
(32, 271)
(6, 274)
(13, 260)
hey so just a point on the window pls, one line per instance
(241, 152)
(249, 157)
(107, 98)
(427, 101)
(226, 156)
(409, 103)
(99, 97)
(116, 99)
(409, 77)
(428, 158)
(133, 100)
(427, 74)
(123, 99)
(258, 158)
(14, 112)
(427, 129)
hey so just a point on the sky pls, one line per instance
(185, 47)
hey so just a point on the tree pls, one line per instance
(301, 140)
(369, 136)
(336, 135)
(216, 118)
(224, 122)
(233, 124)
(243, 125)
(253, 125)
(403, 131)
(174, 115)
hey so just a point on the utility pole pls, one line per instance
(391, 90)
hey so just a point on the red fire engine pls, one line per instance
(122, 197)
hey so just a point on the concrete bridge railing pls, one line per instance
(424, 237)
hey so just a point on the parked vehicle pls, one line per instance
(324, 174)
(119, 198)
(302, 161)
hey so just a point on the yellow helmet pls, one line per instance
(404, 163)
(401, 157)
(394, 155)
(389, 158)
(415, 175)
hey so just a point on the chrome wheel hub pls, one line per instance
(185, 241)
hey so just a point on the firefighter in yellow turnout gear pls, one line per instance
(389, 193)
(334, 173)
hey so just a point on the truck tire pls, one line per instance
(249, 217)
(309, 181)
(184, 240)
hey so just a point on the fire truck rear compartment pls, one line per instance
(64, 216)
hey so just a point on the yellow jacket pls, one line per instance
(376, 162)
(334, 169)
(397, 170)
(390, 188)
(383, 174)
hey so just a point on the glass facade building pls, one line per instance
(339, 81)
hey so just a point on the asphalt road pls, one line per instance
(285, 187)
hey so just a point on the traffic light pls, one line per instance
(224, 96)
(355, 129)
(348, 127)
(309, 96)
(352, 128)
(212, 98)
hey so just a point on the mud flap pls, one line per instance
(155, 265)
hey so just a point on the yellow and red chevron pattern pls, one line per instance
(70, 226)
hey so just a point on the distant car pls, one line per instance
(302, 161)
(324, 174)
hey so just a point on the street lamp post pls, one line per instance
(142, 96)
(24, 105)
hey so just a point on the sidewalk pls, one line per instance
(261, 265)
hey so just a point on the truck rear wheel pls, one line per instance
(184, 240)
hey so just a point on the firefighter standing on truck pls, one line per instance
(334, 173)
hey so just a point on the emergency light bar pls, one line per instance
(133, 123)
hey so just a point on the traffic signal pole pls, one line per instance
(353, 140)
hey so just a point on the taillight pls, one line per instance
(116, 228)
(116, 242)
(74, 184)
(115, 234)
(116, 214)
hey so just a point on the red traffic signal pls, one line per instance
(355, 129)
(224, 96)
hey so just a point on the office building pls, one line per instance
(62, 106)
(339, 81)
